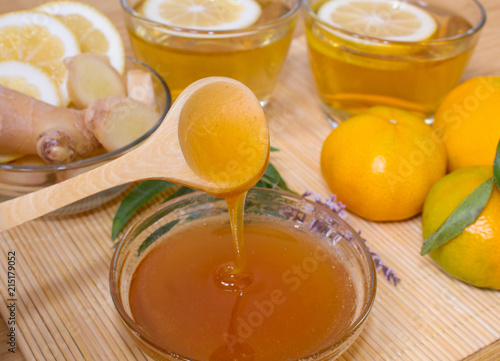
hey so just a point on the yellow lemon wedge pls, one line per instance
(6, 158)
(30, 80)
(203, 14)
(94, 31)
(41, 40)
(382, 19)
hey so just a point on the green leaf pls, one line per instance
(465, 214)
(496, 166)
(156, 235)
(180, 192)
(139, 196)
(273, 180)
(274, 149)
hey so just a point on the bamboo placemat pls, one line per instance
(64, 310)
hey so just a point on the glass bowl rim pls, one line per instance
(132, 325)
(352, 36)
(186, 32)
(110, 155)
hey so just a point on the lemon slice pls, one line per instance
(40, 40)
(6, 158)
(95, 32)
(203, 14)
(29, 80)
(383, 19)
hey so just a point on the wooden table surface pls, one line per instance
(485, 61)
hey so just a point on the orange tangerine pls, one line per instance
(467, 121)
(382, 163)
(474, 255)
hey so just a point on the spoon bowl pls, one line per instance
(214, 139)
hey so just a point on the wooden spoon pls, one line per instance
(161, 155)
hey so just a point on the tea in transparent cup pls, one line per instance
(364, 66)
(311, 281)
(253, 54)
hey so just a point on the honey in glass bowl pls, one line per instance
(306, 290)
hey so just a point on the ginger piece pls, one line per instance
(117, 121)
(30, 126)
(140, 87)
(91, 77)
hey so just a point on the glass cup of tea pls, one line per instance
(404, 54)
(311, 281)
(246, 40)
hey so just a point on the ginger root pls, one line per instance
(30, 126)
(61, 135)
(140, 87)
(91, 77)
(117, 121)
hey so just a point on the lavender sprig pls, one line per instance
(388, 272)
(339, 208)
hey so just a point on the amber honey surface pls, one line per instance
(300, 297)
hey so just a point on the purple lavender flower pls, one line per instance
(331, 203)
(388, 272)
(339, 209)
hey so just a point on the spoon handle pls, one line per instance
(36, 204)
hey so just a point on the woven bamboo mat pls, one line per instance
(64, 310)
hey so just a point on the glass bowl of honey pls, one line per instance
(305, 293)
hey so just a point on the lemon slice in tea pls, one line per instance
(30, 80)
(203, 14)
(383, 19)
(94, 31)
(41, 40)
(6, 158)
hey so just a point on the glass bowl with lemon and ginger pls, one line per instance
(404, 54)
(185, 41)
(55, 83)
(30, 173)
(308, 288)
